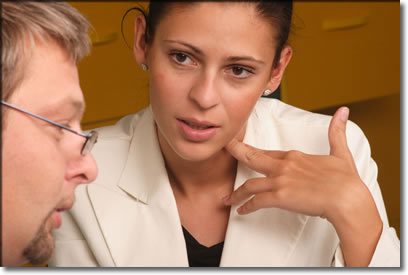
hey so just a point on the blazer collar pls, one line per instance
(145, 163)
(134, 234)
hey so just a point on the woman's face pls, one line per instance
(209, 63)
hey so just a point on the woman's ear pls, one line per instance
(277, 72)
(139, 43)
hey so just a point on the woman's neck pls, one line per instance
(213, 176)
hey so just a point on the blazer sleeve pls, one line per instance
(387, 252)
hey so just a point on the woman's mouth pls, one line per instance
(197, 126)
(195, 130)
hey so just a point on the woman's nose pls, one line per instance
(204, 92)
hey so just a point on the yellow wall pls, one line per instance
(112, 81)
(344, 52)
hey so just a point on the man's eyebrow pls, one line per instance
(79, 107)
(244, 58)
(74, 108)
(196, 50)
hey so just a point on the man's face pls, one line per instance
(41, 164)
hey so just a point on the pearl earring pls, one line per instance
(267, 92)
(144, 67)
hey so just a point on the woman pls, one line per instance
(174, 178)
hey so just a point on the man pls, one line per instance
(44, 154)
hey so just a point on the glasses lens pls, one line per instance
(90, 142)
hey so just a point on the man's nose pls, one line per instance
(82, 170)
(90, 168)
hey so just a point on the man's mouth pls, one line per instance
(64, 207)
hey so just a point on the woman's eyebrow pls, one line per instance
(196, 50)
(244, 58)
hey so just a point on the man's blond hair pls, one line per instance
(23, 23)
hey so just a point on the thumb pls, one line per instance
(337, 134)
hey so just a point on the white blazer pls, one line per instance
(128, 217)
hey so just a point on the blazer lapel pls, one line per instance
(266, 237)
(132, 219)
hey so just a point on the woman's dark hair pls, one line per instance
(278, 13)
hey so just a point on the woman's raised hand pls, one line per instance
(316, 185)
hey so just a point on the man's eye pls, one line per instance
(65, 124)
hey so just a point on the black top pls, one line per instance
(200, 255)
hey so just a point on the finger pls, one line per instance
(337, 134)
(232, 146)
(249, 188)
(276, 154)
(263, 200)
(256, 159)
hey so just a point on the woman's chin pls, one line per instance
(197, 157)
(198, 152)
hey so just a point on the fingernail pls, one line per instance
(344, 114)
(241, 210)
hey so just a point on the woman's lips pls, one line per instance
(196, 131)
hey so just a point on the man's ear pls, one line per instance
(139, 43)
(277, 72)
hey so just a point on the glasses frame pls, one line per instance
(90, 139)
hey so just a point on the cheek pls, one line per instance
(168, 91)
(160, 87)
(33, 173)
(238, 108)
(40, 177)
(32, 185)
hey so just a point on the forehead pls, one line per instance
(50, 80)
(227, 23)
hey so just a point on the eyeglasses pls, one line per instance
(90, 139)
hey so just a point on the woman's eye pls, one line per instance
(181, 58)
(240, 72)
